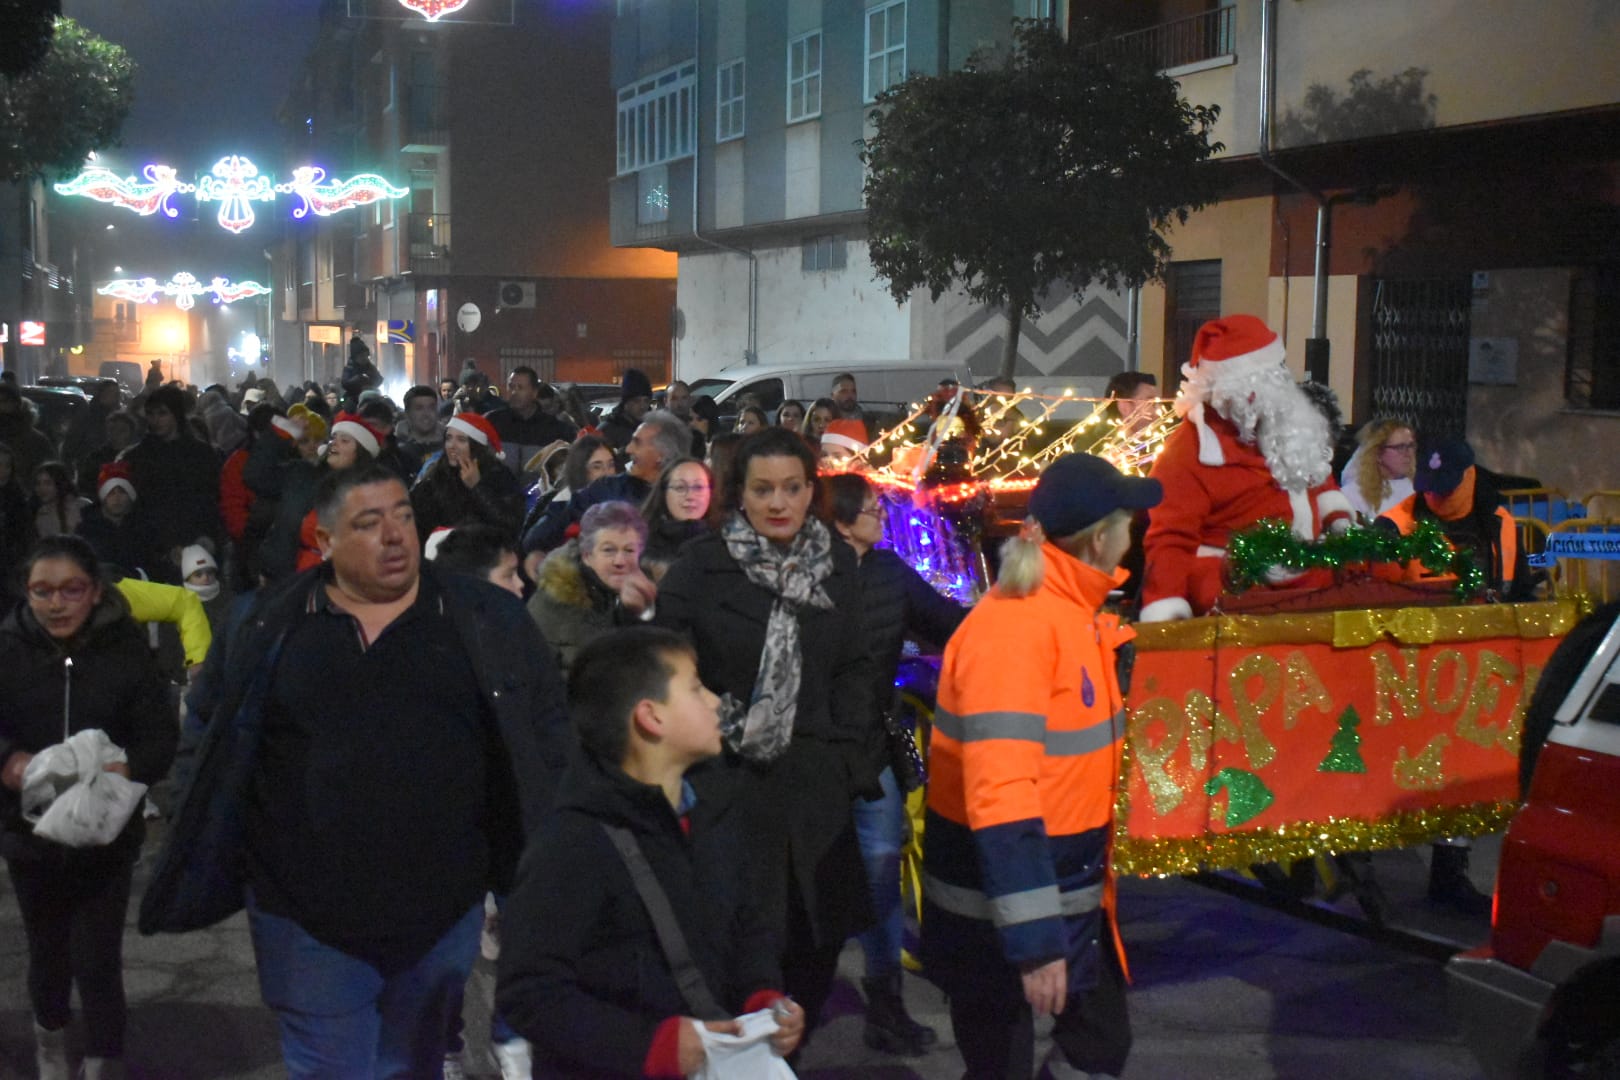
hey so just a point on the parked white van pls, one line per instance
(881, 386)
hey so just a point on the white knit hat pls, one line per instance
(195, 558)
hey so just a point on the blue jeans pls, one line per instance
(342, 1019)
(880, 828)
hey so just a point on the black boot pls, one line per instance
(889, 1027)
(1449, 885)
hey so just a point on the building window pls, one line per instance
(885, 47)
(657, 118)
(1192, 298)
(804, 77)
(1592, 370)
(819, 253)
(1038, 9)
(728, 101)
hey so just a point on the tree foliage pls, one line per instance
(1055, 163)
(70, 103)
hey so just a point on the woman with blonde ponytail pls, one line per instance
(1025, 753)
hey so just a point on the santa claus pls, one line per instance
(1253, 447)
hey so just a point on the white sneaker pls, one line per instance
(516, 1063)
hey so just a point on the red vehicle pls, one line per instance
(1543, 998)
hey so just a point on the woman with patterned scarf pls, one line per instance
(771, 605)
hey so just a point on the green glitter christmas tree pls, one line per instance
(1345, 756)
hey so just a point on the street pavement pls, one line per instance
(1225, 989)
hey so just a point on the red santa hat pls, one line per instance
(358, 429)
(476, 428)
(847, 435)
(1226, 349)
(114, 475)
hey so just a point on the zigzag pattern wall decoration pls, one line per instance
(1078, 334)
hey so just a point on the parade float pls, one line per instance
(1287, 724)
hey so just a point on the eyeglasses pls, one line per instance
(1401, 447)
(689, 489)
(878, 511)
(72, 591)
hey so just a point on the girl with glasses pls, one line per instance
(675, 511)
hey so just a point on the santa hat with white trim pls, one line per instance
(1224, 349)
(476, 428)
(358, 429)
(115, 475)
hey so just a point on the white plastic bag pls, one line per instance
(72, 799)
(742, 1057)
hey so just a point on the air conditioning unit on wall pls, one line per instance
(515, 294)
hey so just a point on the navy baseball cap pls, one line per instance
(1441, 464)
(1078, 490)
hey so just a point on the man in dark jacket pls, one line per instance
(177, 475)
(584, 970)
(375, 740)
(28, 446)
(359, 374)
(635, 398)
(524, 426)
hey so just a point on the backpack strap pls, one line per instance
(694, 990)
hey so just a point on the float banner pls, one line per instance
(1274, 737)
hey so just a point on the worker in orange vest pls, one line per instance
(1017, 904)
(1449, 489)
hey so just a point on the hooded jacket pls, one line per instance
(571, 605)
(111, 684)
(586, 980)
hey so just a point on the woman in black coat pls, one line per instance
(71, 659)
(896, 603)
(468, 484)
(768, 602)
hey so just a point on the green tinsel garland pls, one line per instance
(1272, 543)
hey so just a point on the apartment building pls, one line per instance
(497, 124)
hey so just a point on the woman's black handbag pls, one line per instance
(900, 728)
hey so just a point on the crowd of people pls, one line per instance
(657, 657)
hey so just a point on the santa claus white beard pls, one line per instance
(1271, 411)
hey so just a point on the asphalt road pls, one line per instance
(1224, 988)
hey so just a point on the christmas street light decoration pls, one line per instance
(184, 288)
(433, 10)
(104, 185)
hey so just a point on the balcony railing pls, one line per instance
(429, 238)
(1184, 41)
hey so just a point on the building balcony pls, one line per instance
(428, 236)
(1180, 43)
(424, 120)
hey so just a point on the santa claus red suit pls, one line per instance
(1253, 447)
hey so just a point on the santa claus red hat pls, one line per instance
(1224, 350)
(114, 475)
(847, 435)
(358, 429)
(476, 428)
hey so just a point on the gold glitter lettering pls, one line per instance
(1153, 758)
(1426, 772)
(1514, 733)
(1303, 687)
(1250, 709)
(1483, 696)
(1402, 686)
(1459, 680)
(1201, 721)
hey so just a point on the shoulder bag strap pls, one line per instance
(694, 990)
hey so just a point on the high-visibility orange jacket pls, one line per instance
(1023, 766)
(1497, 554)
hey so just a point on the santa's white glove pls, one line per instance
(1282, 575)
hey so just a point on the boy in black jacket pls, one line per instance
(583, 974)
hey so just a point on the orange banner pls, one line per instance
(1283, 736)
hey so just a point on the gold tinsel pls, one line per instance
(1305, 839)
(1354, 628)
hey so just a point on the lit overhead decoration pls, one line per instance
(431, 10)
(184, 288)
(104, 185)
(329, 198)
(236, 184)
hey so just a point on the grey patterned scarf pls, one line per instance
(761, 730)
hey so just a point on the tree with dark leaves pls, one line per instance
(1056, 162)
(73, 101)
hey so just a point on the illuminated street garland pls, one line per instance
(184, 288)
(236, 184)
(432, 10)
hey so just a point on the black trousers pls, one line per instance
(73, 916)
(995, 1031)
